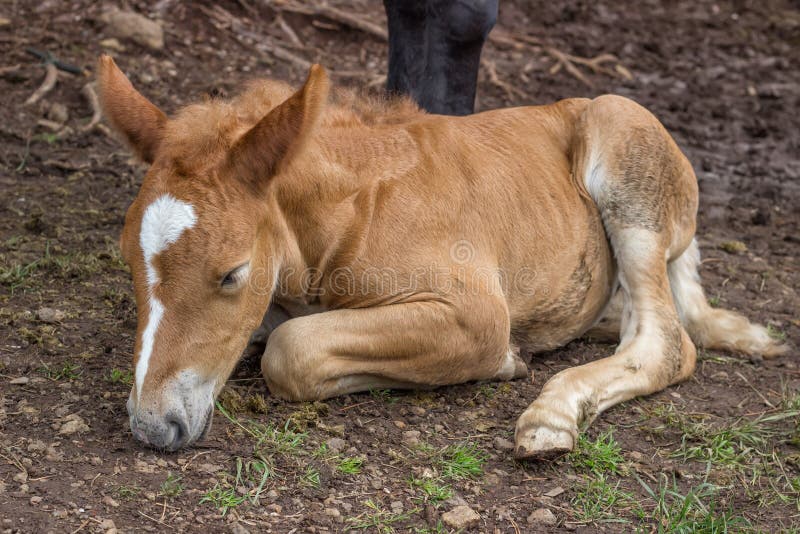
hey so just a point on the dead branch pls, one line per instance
(336, 15)
(50, 79)
(494, 78)
(10, 69)
(289, 31)
(90, 95)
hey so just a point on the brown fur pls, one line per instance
(430, 245)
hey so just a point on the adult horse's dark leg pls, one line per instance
(435, 48)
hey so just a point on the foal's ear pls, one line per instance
(131, 114)
(280, 135)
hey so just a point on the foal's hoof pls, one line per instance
(543, 443)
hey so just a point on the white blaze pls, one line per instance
(162, 224)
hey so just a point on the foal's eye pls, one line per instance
(234, 278)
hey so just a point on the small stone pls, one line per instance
(73, 424)
(418, 411)
(21, 477)
(112, 44)
(57, 112)
(542, 516)
(411, 437)
(555, 492)
(335, 514)
(107, 524)
(461, 517)
(238, 528)
(397, 507)
(733, 247)
(502, 444)
(136, 27)
(274, 508)
(336, 444)
(20, 381)
(109, 501)
(636, 456)
(399, 424)
(209, 469)
(50, 315)
(720, 376)
(35, 500)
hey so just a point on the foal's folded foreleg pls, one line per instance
(410, 345)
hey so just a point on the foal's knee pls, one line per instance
(285, 365)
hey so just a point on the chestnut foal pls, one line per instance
(411, 250)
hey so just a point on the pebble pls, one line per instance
(502, 444)
(21, 477)
(112, 44)
(136, 27)
(336, 444)
(109, 501)
(36, 500)
(20, 381)
(411, 437)
(335, 514)
(399, 424)
(555, 492)
(59, 113)
(542, 516)
(461, 517)
(50, 315)
(73, 424)
(238, 528)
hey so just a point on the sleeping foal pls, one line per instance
(411, 250)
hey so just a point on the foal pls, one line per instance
(412, 250)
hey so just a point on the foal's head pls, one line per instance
(203, 253)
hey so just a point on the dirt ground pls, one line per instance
(720, 451)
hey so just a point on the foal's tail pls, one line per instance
(711, 327)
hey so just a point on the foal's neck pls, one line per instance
(318, 196)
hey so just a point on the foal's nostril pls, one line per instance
(179, 432)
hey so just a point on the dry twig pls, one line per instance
(336, 15)
(50, 79)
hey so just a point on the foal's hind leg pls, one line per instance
(647, 196)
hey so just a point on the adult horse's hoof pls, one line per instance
(543, 443)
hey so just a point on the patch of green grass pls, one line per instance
(350, 466)
(48, 137)
(127, 492)
(310, 477)
(383, 395)
(775, 333)
(223, 498)
(378, 519)
(172, 486)
(16, 276)
(714, 301)
(253, 473)
(118, 376)
(433, 491)
(697, 511)
(438, 528)
(600, 456)
(462, 460)
(601, 501)
(270, 439)
(731, 446)
(64, 371)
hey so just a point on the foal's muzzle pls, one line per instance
(177, 415)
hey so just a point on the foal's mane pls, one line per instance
(200, 133)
